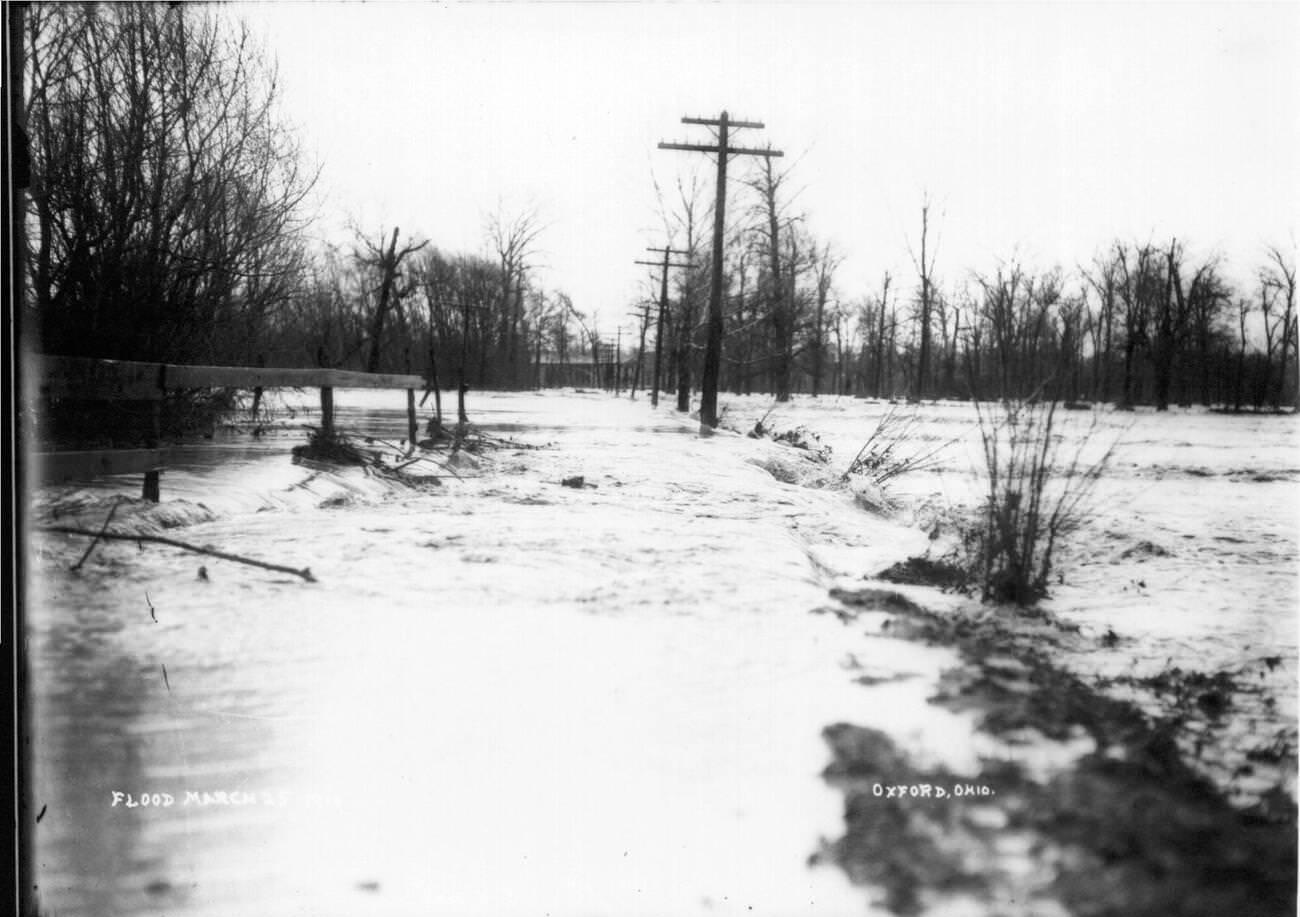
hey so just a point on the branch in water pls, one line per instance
(305, 572)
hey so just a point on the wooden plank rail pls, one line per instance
(83, 378)
(79, 377)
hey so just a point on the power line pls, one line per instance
(663, 309)
(723, 150)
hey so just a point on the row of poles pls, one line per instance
(722, 149)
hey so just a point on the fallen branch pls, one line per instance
(99, 535)
(305, 572)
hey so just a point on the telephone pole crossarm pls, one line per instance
(723, 150)
(713, 148)
(690, 147)
(664, 265)
(717, 122)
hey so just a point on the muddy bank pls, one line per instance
(1120, 824)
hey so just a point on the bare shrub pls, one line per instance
(890, 451)
(1035, 495)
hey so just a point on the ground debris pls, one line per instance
(857, 601)
(923, 571)
(799, 437)
(393, 462)
(1127, 828)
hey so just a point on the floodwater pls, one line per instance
(507, 696)
(503, 696)
(1188, 549)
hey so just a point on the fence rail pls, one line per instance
(86, 379)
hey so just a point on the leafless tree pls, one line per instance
(385, 263)
(1170, 320)
(1103, 280)
(1277, 305)
(684, 223)
(773, 227)
(886, 321)
(925, 270)
(825, 262)
(167, 192)
(1197, 308)
(1141, 284)
(513, 239)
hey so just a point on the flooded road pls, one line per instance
(508, 696)
(503, 696)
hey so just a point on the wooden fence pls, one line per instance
(120, 380)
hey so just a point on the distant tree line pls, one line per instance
(472, 319)
(1142, 323)
(167, 221)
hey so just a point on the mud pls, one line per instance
(1126, 827)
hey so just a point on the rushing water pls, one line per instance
(508, 696)
(503, 696)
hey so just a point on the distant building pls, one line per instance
(580, 371)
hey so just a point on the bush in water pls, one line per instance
(1034, 495)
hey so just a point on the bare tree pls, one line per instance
(1003, 307)
(386, 263)
(825, 261)
(949, 315)
(167, 191)
(1072, 316)
(886, 322)
(1277, 304)
(1199, 308)
(1140, 286)
(1243, 315)
(686, 219)
(513, 239)
(772, 227)
(1103, 280)
(1170, 318)
(925, 269)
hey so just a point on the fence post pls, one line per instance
(411, 426)
(152, 490)
(327, 410)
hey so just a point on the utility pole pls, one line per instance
(16, 722)
(722, 149)
(663, 311)
(618, 358)
(643, 322)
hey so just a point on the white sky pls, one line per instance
(1042, 130)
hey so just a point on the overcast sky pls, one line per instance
(1042, 131)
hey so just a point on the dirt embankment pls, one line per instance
(1126, 828)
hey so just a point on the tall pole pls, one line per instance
(618, 358)
(18, 871)
(659, 332)
(643, 321)
(663, 312)
(713, 348)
